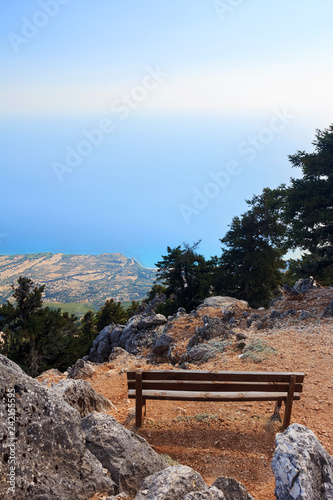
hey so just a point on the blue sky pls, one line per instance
(132, 126)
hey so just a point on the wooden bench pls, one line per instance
(188, 385)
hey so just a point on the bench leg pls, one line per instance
(138, 399)
(289, 402)
(276, 414)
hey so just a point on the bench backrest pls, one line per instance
(206, 381)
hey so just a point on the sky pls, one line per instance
(132, 126)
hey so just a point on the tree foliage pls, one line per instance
(251, 262)
(186, 277)
(111, 312)
(37, 338)
(309, 201)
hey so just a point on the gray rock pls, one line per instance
(152, 321)
(227, 315)
(328, 311)
(213, 327)
(118, 352)
(171, 483)
(303, 469)
(305, 314)
(224, 303)
(101, 347)
(211, 494)
(275, 314)
(81, 369)
(152, 305)
(203, 352)
(162, 344)
(127, 456)
(232, 489)
(303, 285)
(138, 333)
(52, 461)
(82, 396)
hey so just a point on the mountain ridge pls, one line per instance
(78, 277)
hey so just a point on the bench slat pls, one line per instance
(220, 376)
(212, 396)
(212, 386)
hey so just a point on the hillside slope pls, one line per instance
(78, 278)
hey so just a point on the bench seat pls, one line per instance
(212, 396)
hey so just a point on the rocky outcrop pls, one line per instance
(171, 483)
(51, 458)
(81, 369)
(232, 489)
(139, 332)
(303, 469)
(101, 348)
(303, 285)
(82, 396)
(162, 344)
(127, 456)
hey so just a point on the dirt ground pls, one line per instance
(237, 439)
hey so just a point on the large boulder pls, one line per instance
(127, 456)
(83, 397)
(224, 303)
(232, 489)
(47, 442)
(303, 469)
(171, 483)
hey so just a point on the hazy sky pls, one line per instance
(132, 126)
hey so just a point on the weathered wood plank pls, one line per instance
(203, 375)
(195, 385)
(213, 396)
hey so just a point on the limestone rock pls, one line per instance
(232, 489)
(83, 397)
(171, 483)
(52, 462)
(127, 456)
(101, 347)
(162, 344)
(303, 285)
(226, 303)
(81, 369)
(328, 311)
(212, 493)
(303, 469)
